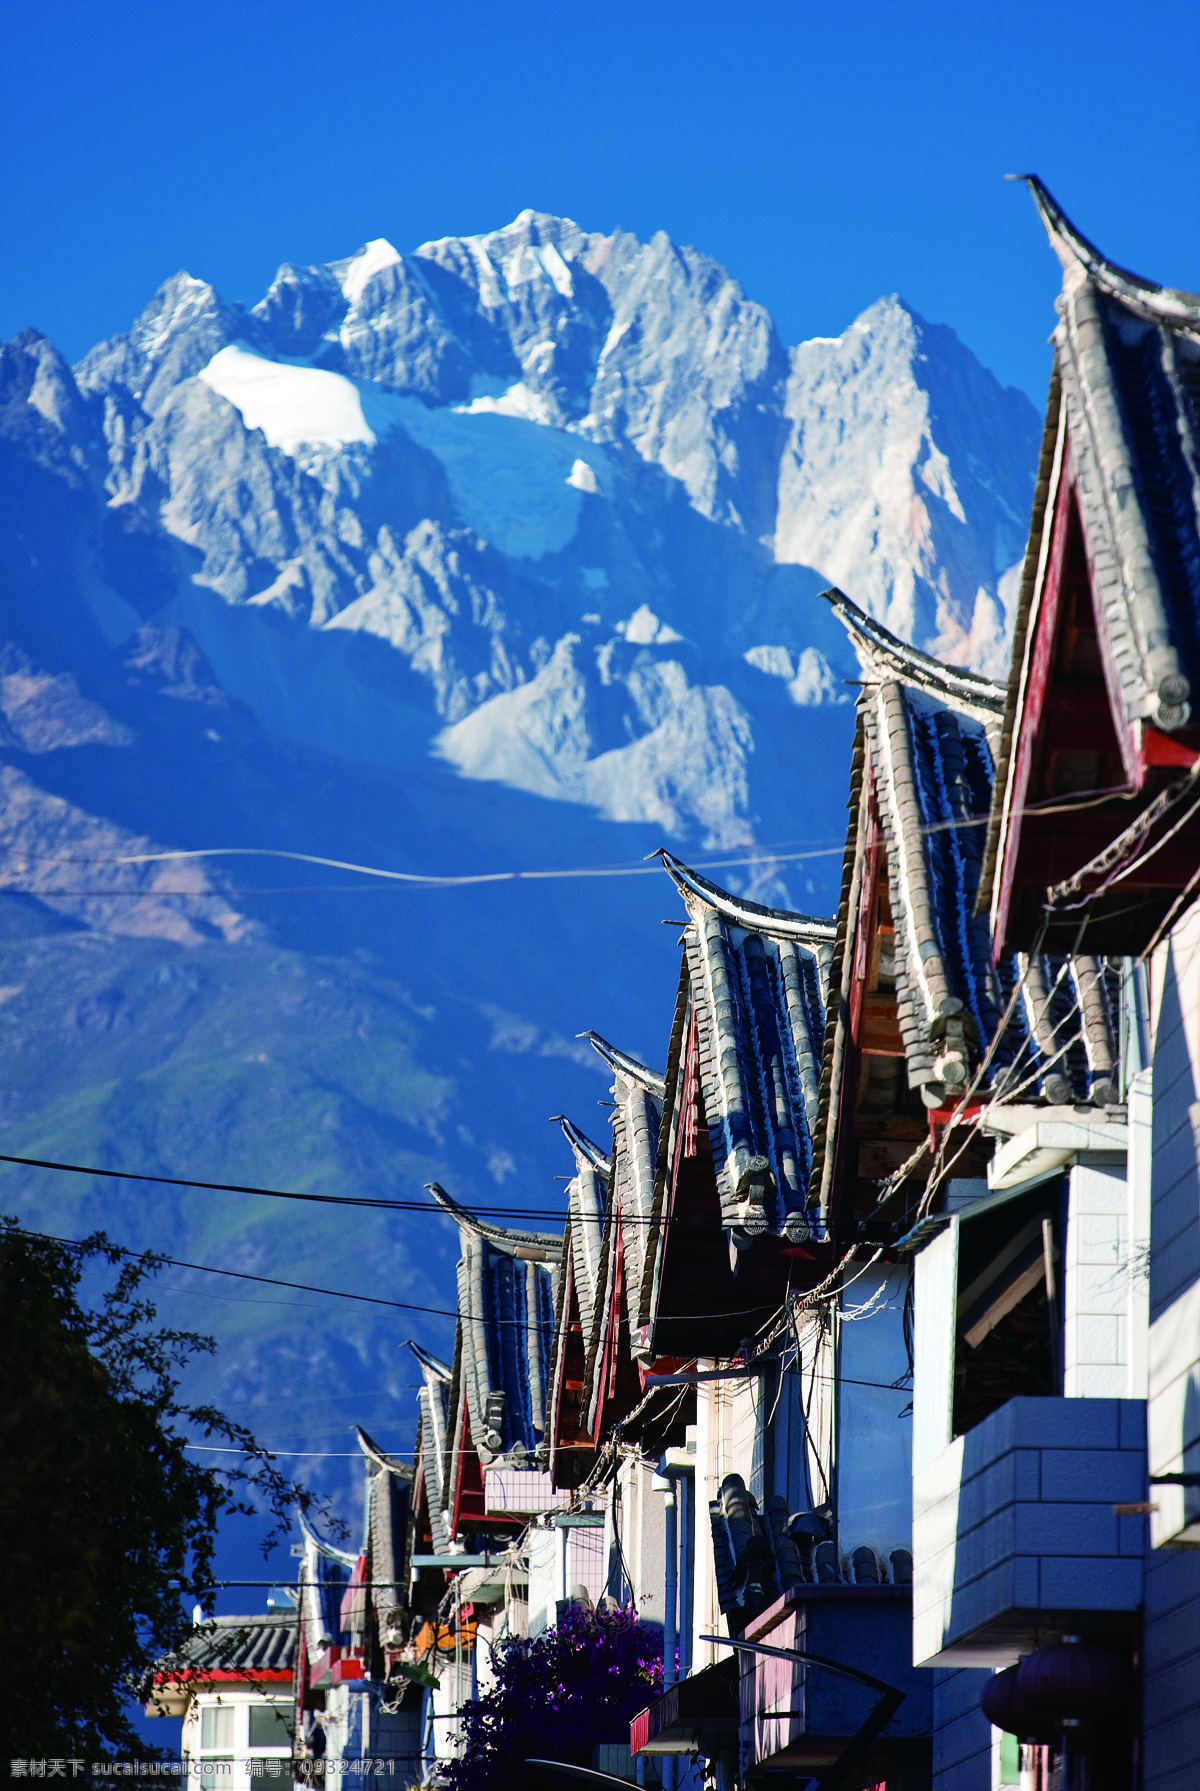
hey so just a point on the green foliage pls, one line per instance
(108, 1525)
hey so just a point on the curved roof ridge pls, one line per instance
(1160, 304)
(504, 1237)
(374, 1453)
(779, 923)
(427, 1359)
(883, 652)
(623, 1065)
(325, 1548)
(582, 1145)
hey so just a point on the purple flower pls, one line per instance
(557, 1697)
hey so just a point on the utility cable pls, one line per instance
(174, 1262)
(764, 855)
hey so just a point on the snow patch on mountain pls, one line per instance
(644, 629)
(810, 678)
(517, 483)
(362, 268)
(689, 765)
(295, 407)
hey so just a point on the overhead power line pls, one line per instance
(361, 1200)
(420, 879)
(353, 1200)
(336, 1293)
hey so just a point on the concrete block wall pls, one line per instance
(357, 1727)
(1171, 1638)
(1175, 1199)
(1173, 1419)
(1016, 1517)
(962, 1735)
(728, 1440)
(1171, 1654)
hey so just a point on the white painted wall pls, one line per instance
(545, 1576)
(1173, 1411)
(1095, 1291)
(936, 1301)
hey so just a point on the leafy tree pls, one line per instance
(106, 1526)
(557, 1697)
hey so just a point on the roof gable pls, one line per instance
(1113, 559)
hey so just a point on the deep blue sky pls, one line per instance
(826, 154)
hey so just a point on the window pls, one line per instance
(1008, 1338)
(270, 1726)
(216, 1729)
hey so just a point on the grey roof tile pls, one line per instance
(756, 993)
(237, 1645)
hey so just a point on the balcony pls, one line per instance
(1014, 1532)
(805, 1717)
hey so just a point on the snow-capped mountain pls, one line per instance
(498, 556)
(572, 480)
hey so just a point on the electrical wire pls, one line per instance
(354, 1200)
(420, 879)
(935, 1174)
(270, 1280)
(351, 1200)
(764, 855)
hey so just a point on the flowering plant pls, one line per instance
(557, 1697)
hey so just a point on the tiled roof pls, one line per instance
(1127, 386)
(432, 1454)
(931, 772)
(637, 1113)
(324, 1575)
(754, 995)
(506, 1288)
(884, 657)
(933, 783)
(587, 1207)
(584, 1265)
(760, 1553)
(237, 1645)
(611, 1211)
(388, 1506)
(925, 769)
(1070, 1017)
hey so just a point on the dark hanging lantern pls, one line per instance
(1069, 1682)
(1003, 1705)
(1073, 1681)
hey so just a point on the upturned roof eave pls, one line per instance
(889, 659)
(504, 1237)
(1177, 309)
(622, 1064)
(586, 1151)
(775, 923)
